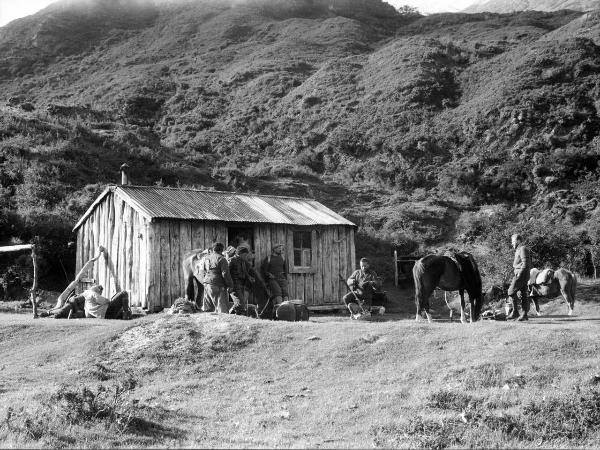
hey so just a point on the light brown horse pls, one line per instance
(189, 264)
(562, 283)
(459, 273)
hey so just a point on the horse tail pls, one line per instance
(418, 274)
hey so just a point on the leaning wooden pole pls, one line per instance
(35, 282)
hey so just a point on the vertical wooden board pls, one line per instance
(318, 276)
(135, 260)
(175, 272)
(165, 263)
(335, 264)
(142, 239)
(114, 250)
(185, 245)
(121, 263)
(289, 257)
(221, 232)
(210, 235)
(153, 296)
(329, 268)
(108, 232)
(78, 251)
(86, 241)
(344, 266)
(352, 249)
(124, 248)
(197, 227)
(259, 252)
(101, 232)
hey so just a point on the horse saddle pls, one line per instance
(541, 277)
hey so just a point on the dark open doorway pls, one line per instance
(240, 234)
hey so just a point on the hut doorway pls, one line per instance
(238, 235)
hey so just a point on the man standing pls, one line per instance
(215, 275)
(239, 269)
(274, 269)
(362, 283)
(518, 286)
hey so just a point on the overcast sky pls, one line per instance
(13, 9)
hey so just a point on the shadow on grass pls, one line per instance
(148, 428)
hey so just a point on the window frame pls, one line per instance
(312, 268)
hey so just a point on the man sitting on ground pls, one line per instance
(97, 306)
(362, 283)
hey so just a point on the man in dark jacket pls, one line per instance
(518, 287)
(274, 270)
(362, 283)
(239, 267)
(216, 278)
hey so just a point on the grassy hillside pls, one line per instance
(229, 381)
(445, 130)
(508, 6)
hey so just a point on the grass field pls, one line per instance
(221, 381)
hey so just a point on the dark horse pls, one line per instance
(458, 272)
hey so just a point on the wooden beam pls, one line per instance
(330, 307)
(16, 248)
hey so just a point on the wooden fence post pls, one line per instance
(35, 282)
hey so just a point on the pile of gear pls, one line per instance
(183, 306)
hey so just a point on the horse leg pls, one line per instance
(567, 299)
(536, 303)
(463, 318)
(422, 301)
(448, 305)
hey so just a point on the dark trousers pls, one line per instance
(364, 296)
(518, 288)
(119, 304)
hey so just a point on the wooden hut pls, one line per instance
(147, 229)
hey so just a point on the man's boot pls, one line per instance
(514, 314)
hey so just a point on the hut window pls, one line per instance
(302, 249)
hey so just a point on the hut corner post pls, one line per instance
(35, 282)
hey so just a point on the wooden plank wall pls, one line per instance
(144, 257)
(122, 232)
(171, 239)
(334, 256)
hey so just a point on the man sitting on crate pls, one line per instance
(362, 284)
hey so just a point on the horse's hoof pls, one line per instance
(539, 313)
(570, 313)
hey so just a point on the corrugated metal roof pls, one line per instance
(194, 204)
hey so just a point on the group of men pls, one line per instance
(226, 273)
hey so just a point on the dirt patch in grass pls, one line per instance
(179, 340)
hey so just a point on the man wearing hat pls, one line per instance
(362, 283)
(217, 280)
(274, 270)
(239, 268)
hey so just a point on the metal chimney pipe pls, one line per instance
(124, 174)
